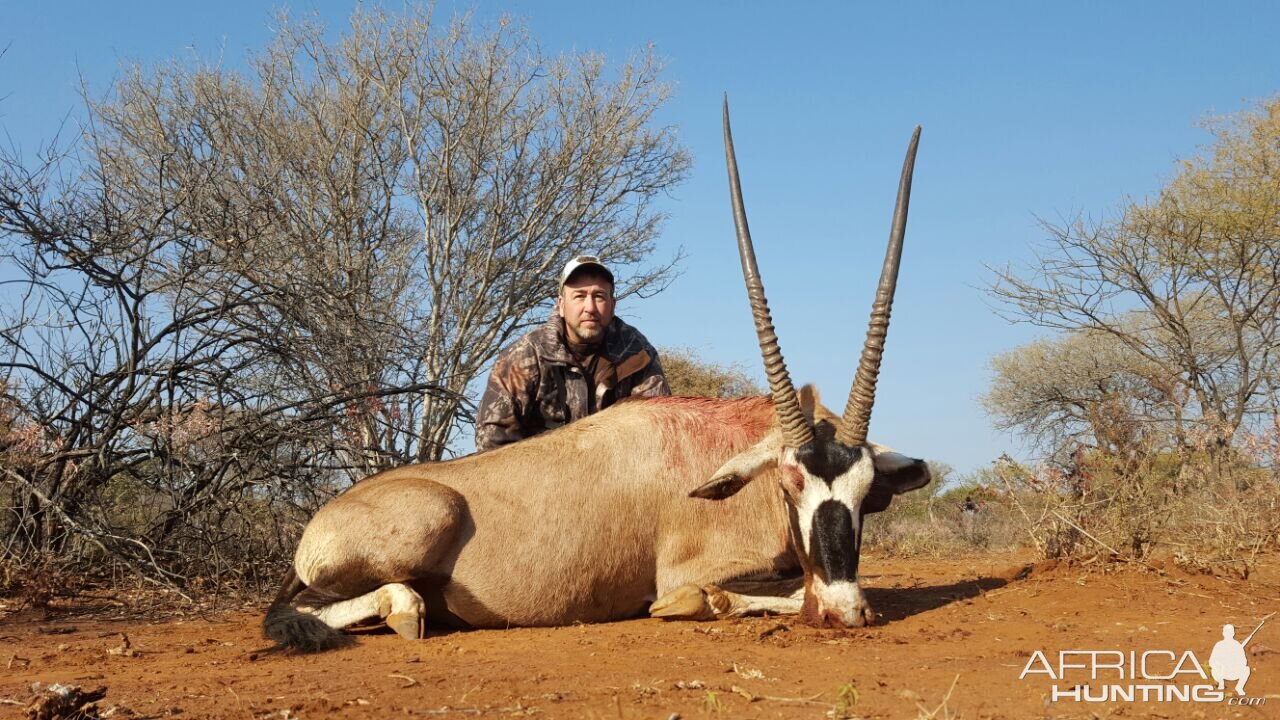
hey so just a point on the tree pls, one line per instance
(234, 293)
(1085, 388)
(406, 193)
(1188, 283)
(146, 415)
(692, 376)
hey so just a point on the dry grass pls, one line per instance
(945, 519)
(1207, 515)
(941, 711)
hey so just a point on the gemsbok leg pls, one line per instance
(736, 598)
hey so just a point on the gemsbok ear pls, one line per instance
(809, 401)
(720, 487)
(895, 474)
(741, 469)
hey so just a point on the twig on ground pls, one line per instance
(775, 629)
(752, 697)
(926, 714)
(411, 682)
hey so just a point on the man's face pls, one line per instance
(586, 304)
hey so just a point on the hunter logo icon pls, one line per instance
(1228, 660)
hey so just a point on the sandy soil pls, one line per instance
(952, 639)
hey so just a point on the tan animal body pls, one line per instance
(562, 527)
(666, 504)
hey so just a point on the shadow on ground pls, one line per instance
(894, 604)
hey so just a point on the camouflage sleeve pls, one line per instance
(503, 404)
(651, 381)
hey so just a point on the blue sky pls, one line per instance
(1030, 110)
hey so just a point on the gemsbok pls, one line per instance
(681, 506)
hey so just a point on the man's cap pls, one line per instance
(587, 261)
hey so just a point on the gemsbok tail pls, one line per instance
(299, 631)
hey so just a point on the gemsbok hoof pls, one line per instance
(687, 602)
(691, 602)
(407, 626)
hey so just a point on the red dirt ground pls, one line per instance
(952, 639)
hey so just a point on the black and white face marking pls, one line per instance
(827, 481)
(833, 543)
(829, 488)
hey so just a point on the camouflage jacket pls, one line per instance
(537, 385)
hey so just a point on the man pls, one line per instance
(581, 361)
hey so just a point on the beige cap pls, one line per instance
(584, 261)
